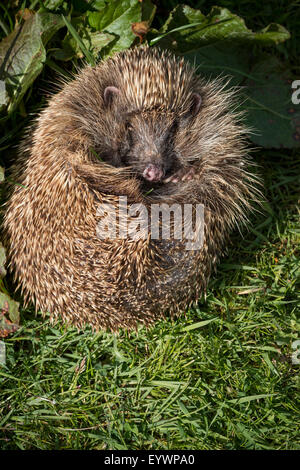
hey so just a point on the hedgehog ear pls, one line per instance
(108, 94)
(197, 101)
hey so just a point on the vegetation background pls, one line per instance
(225, 375)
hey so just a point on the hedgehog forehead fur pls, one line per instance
(154, 91)
(150, 115)
(150, 79)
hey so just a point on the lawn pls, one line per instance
(223, 375)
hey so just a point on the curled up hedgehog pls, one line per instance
(138, 134)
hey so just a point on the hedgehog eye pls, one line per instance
(130, 130)
(129, 133)
(128, 126)
(108, 94)
(197, 101)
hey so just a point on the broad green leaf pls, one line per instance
(83, 43)
(22, 54)
(9, 315)
(116, 17)
(270, 108)
(9, 309)
(86, 53)
(3, 95)
(273, 33)
(223, 59)
(147, 11)
(221, 44)
(10, 306)
(219, 25)
(95, 42)
(265, 92)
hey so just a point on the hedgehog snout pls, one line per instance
(153, 172)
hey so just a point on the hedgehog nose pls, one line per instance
(153, 172)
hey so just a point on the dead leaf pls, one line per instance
(23, 15)
(140, 29)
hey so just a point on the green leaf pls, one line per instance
(22, 54)
(81, 42)
(221, 44)
(87, 54)
(3, 95)
(251, 398)
(13, 307)
(270, 109)
(224, 59)
(9, 315)
(219, 25)
(265, 94)
(116, 17)
(199, 324)
(98, 41)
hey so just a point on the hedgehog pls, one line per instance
(142, 128)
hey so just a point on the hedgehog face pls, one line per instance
(149, 146)
(146, 138)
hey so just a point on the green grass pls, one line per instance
(227, 384)
(220, 376)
